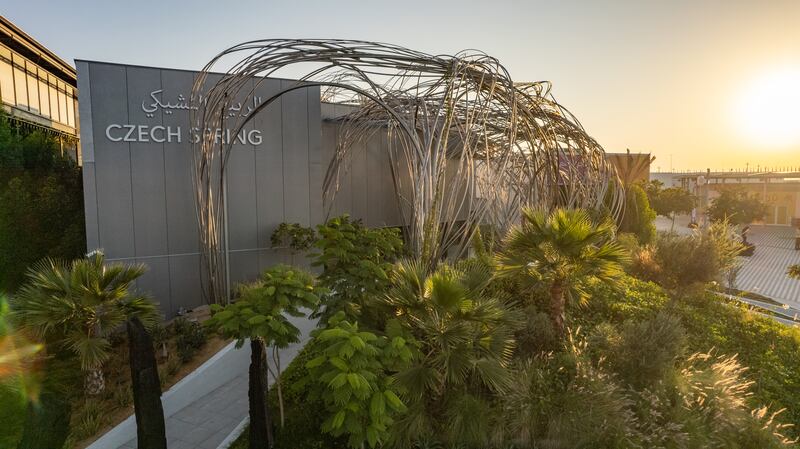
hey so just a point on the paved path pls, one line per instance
(206, 422)
(765, 272)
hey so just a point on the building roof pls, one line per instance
(30, 48)
(744, 175)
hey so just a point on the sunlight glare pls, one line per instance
(768, 110)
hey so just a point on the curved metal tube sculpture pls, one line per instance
(467, 145)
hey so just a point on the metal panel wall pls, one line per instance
(138, 176)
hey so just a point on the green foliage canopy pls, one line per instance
(355, 263)
(79, 304)
(639, 217)
(670, 201)
(562, 251)
(262, 308)
(737, 207)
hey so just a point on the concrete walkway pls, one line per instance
(765, 271)
(207, 421)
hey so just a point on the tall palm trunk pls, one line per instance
(150, 428)
(94, 382)
(557, 306)
(260, 422)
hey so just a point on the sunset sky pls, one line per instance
(698, 83)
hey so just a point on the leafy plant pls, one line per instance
(260, 315)
(639, 217)
(293, 235)
(793, 271)
(88, 420)
(351, 377)
(680, 262)
(355, 263)
(736, 207)
(160, 336)
(190, 337)
(645, 352)
(122, 397)
(672, 201)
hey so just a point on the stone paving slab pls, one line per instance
(765, 271)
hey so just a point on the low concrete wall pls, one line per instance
(225, 365)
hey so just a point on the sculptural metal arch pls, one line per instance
(466, 145)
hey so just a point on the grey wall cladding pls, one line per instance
(139, 194)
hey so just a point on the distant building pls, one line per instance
(631, 167)
(779, 190)
(37, 88)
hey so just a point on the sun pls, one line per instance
(768, 109)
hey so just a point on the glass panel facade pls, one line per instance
(6, 82)
(70, 111)
(44, 98)
(20, 87)
(53, 103)
(62, 107)
(27, 86)
(33, 93)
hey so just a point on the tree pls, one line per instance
(639, 217)
(562, 251)
(355, 263)
(260, 315)
(351, 375)
(736, 207)
(466, 340)
(794, 271)
(672, 201)
(41, 193)
(78, 306)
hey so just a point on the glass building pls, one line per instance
(37, 88)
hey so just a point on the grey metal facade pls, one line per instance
(138, 187)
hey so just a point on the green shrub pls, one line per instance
(638, 217)
(303, 414)
(190, 337)
(646, 351)
(12, 415)
(355, 263)
(294, 236)
(768, 348)
(88, 420)
(537, 334)
(41, 193)
(681, 262)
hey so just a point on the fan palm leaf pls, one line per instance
(466, 339)
(562, 251)
(80, 303)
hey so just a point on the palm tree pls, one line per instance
(794, 271)
(466, 340)
(77, 306)
(561, 251)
